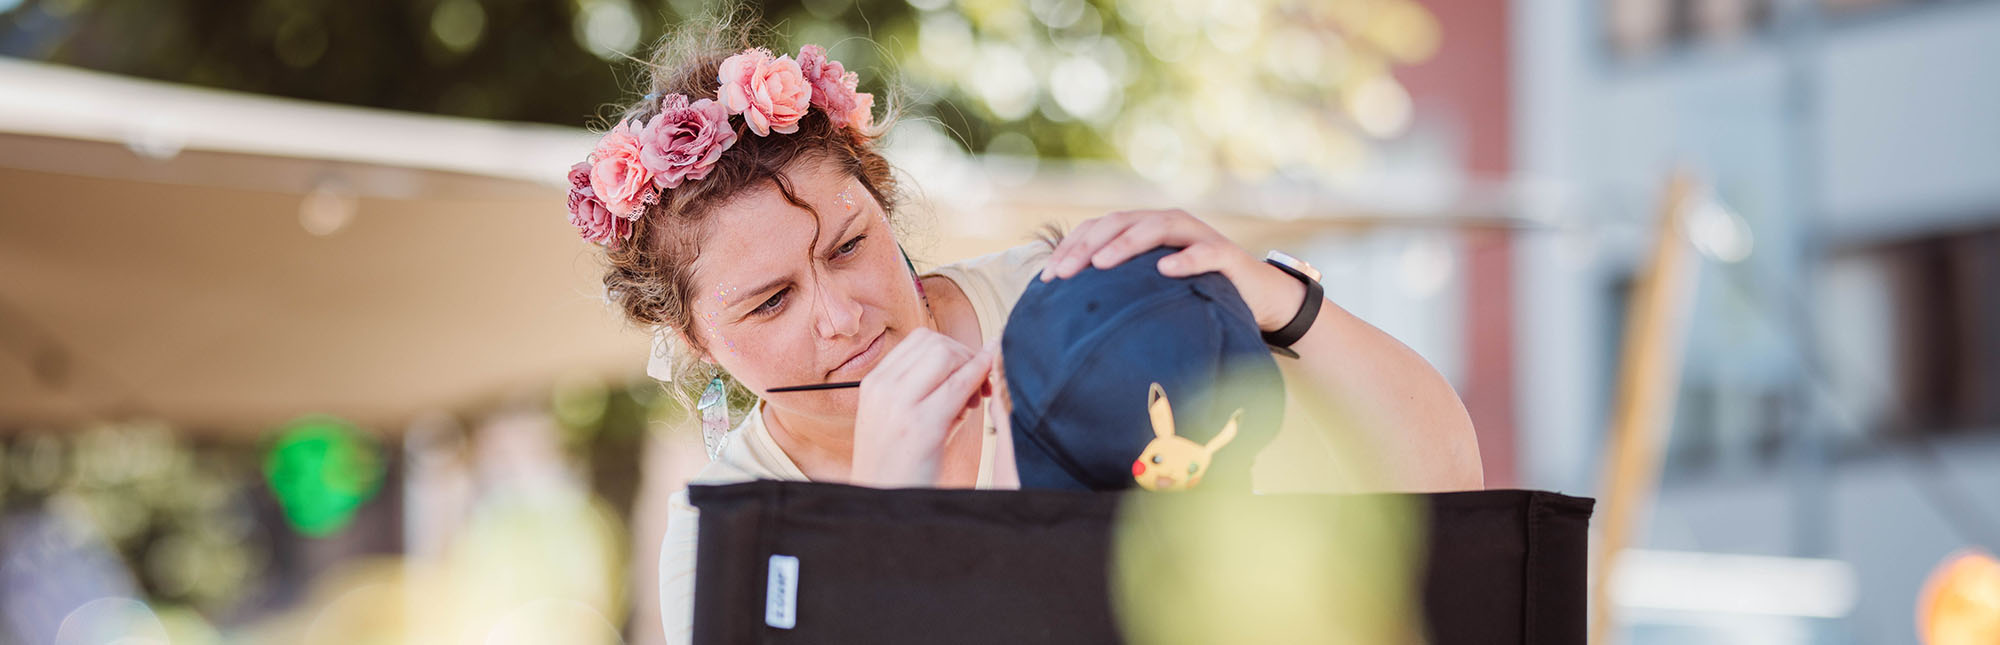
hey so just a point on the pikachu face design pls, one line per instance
(1171, 462)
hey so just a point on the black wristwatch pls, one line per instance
(1281, 340)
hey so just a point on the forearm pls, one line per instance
(1391, 417)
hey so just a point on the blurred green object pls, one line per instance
(322, 470)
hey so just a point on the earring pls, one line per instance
(714, 407)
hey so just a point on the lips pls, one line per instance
(863, 358)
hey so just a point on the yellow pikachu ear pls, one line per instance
(1228, 433)
(1163, 414)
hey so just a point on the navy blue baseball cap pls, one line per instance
(1123, 377)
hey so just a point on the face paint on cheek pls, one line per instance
(721, 298)
(717, 334)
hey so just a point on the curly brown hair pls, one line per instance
(651, 279)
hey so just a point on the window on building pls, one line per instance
(1639, 28)
(1946, 329)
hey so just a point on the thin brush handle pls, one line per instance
(815, 386)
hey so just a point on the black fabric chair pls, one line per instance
(966, 566)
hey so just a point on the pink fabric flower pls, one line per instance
(771, 94)
(684, 141)
(621, 180)
(832, 85)
(862, 115)
(833, 89)
(592, 220)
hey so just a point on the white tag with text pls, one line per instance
(781, 592)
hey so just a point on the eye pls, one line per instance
(850, 246)
(1156, 459)
(1193, 468)
(772, 304)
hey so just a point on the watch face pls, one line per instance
(1296, 264)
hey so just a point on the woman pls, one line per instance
(748, 217)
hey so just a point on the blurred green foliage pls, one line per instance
(181, 513)
(1182, 90)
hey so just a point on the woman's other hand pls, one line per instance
(1104, 242)
(909, 405)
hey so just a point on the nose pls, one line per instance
(835, 314)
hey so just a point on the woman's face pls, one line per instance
(787, 297)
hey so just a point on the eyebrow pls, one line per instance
(845, 225)
(774, 282)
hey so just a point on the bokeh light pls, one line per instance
(112, 621)
(1210, 568)
(1960, 604)
(322, 470)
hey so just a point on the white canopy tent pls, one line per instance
(227, 262)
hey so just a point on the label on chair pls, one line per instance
(781, 592)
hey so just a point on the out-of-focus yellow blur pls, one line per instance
(1961, 601)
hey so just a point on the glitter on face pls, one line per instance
(721, 299)
(845, 199)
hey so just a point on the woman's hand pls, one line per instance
(1398, 410)
(1104, 242)
(910, 403)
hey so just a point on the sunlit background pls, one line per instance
(296, 345)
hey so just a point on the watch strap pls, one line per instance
(1285, 336)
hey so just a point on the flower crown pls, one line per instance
(635, 163)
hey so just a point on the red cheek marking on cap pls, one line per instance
(1138, 467)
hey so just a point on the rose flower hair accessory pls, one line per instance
(636, 161)
(833, 88)
(685, 140)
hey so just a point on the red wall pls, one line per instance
(1465, 89)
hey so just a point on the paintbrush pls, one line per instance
(814, 386)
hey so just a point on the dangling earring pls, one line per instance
(714, 407)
